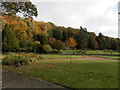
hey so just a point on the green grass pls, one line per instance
(109, 57)
(46, 56)
(90, 52)
(79, 74)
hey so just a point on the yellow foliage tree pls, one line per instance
(72, 42)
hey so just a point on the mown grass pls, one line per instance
(78, 74)
(109, 57)
(90, 52)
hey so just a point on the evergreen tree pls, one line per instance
(91, 44)
(115, 45)
(108, 42)
(10, 42)
(64, 35)
(57, 33)
(100, 39)
(82, 39)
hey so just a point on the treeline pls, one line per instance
(29, 35)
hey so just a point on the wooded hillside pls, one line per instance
(31, 35)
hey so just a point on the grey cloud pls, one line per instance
(75, 14)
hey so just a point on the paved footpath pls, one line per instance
(16, 80)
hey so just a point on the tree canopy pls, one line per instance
(36, 36)
(12, 8)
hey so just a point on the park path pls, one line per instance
(17, 80)
(82, 58)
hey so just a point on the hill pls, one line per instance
(39, 36)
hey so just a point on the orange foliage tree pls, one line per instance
(72, 42)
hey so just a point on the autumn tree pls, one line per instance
(72, 42)
(51, 41)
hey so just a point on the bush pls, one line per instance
(7, 61)
(55, 51)
(46, 47)
(15, 60)
(82, 52)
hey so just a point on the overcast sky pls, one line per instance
(96, 15)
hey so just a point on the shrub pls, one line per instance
(7, 61)
(82, 52)
(55, 51)
(15, 60)
(46, 47)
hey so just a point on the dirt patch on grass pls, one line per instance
(82, 58)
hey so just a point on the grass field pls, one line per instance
(109, 57)
(79, 74)
(90, 52)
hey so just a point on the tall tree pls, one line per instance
(82, 39)
(10, 42)
(57, 33)
(101, 40)
(64, 35)
(92, 43)
(108, 42)
(114, 44)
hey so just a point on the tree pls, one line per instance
(10, 42)
(51, 41)
(70, 32)
(64, 35)
(114, 44)
(82, 38)
(36, 46)
(92, 43)
(101, 40)
(57, 33)
(108, 42)
(43, 39)
(12, 8)
(58, 45)
(72, 42)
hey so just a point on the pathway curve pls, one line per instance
(16, 80)
(81, 58)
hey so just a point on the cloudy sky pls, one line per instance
(96, 15)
